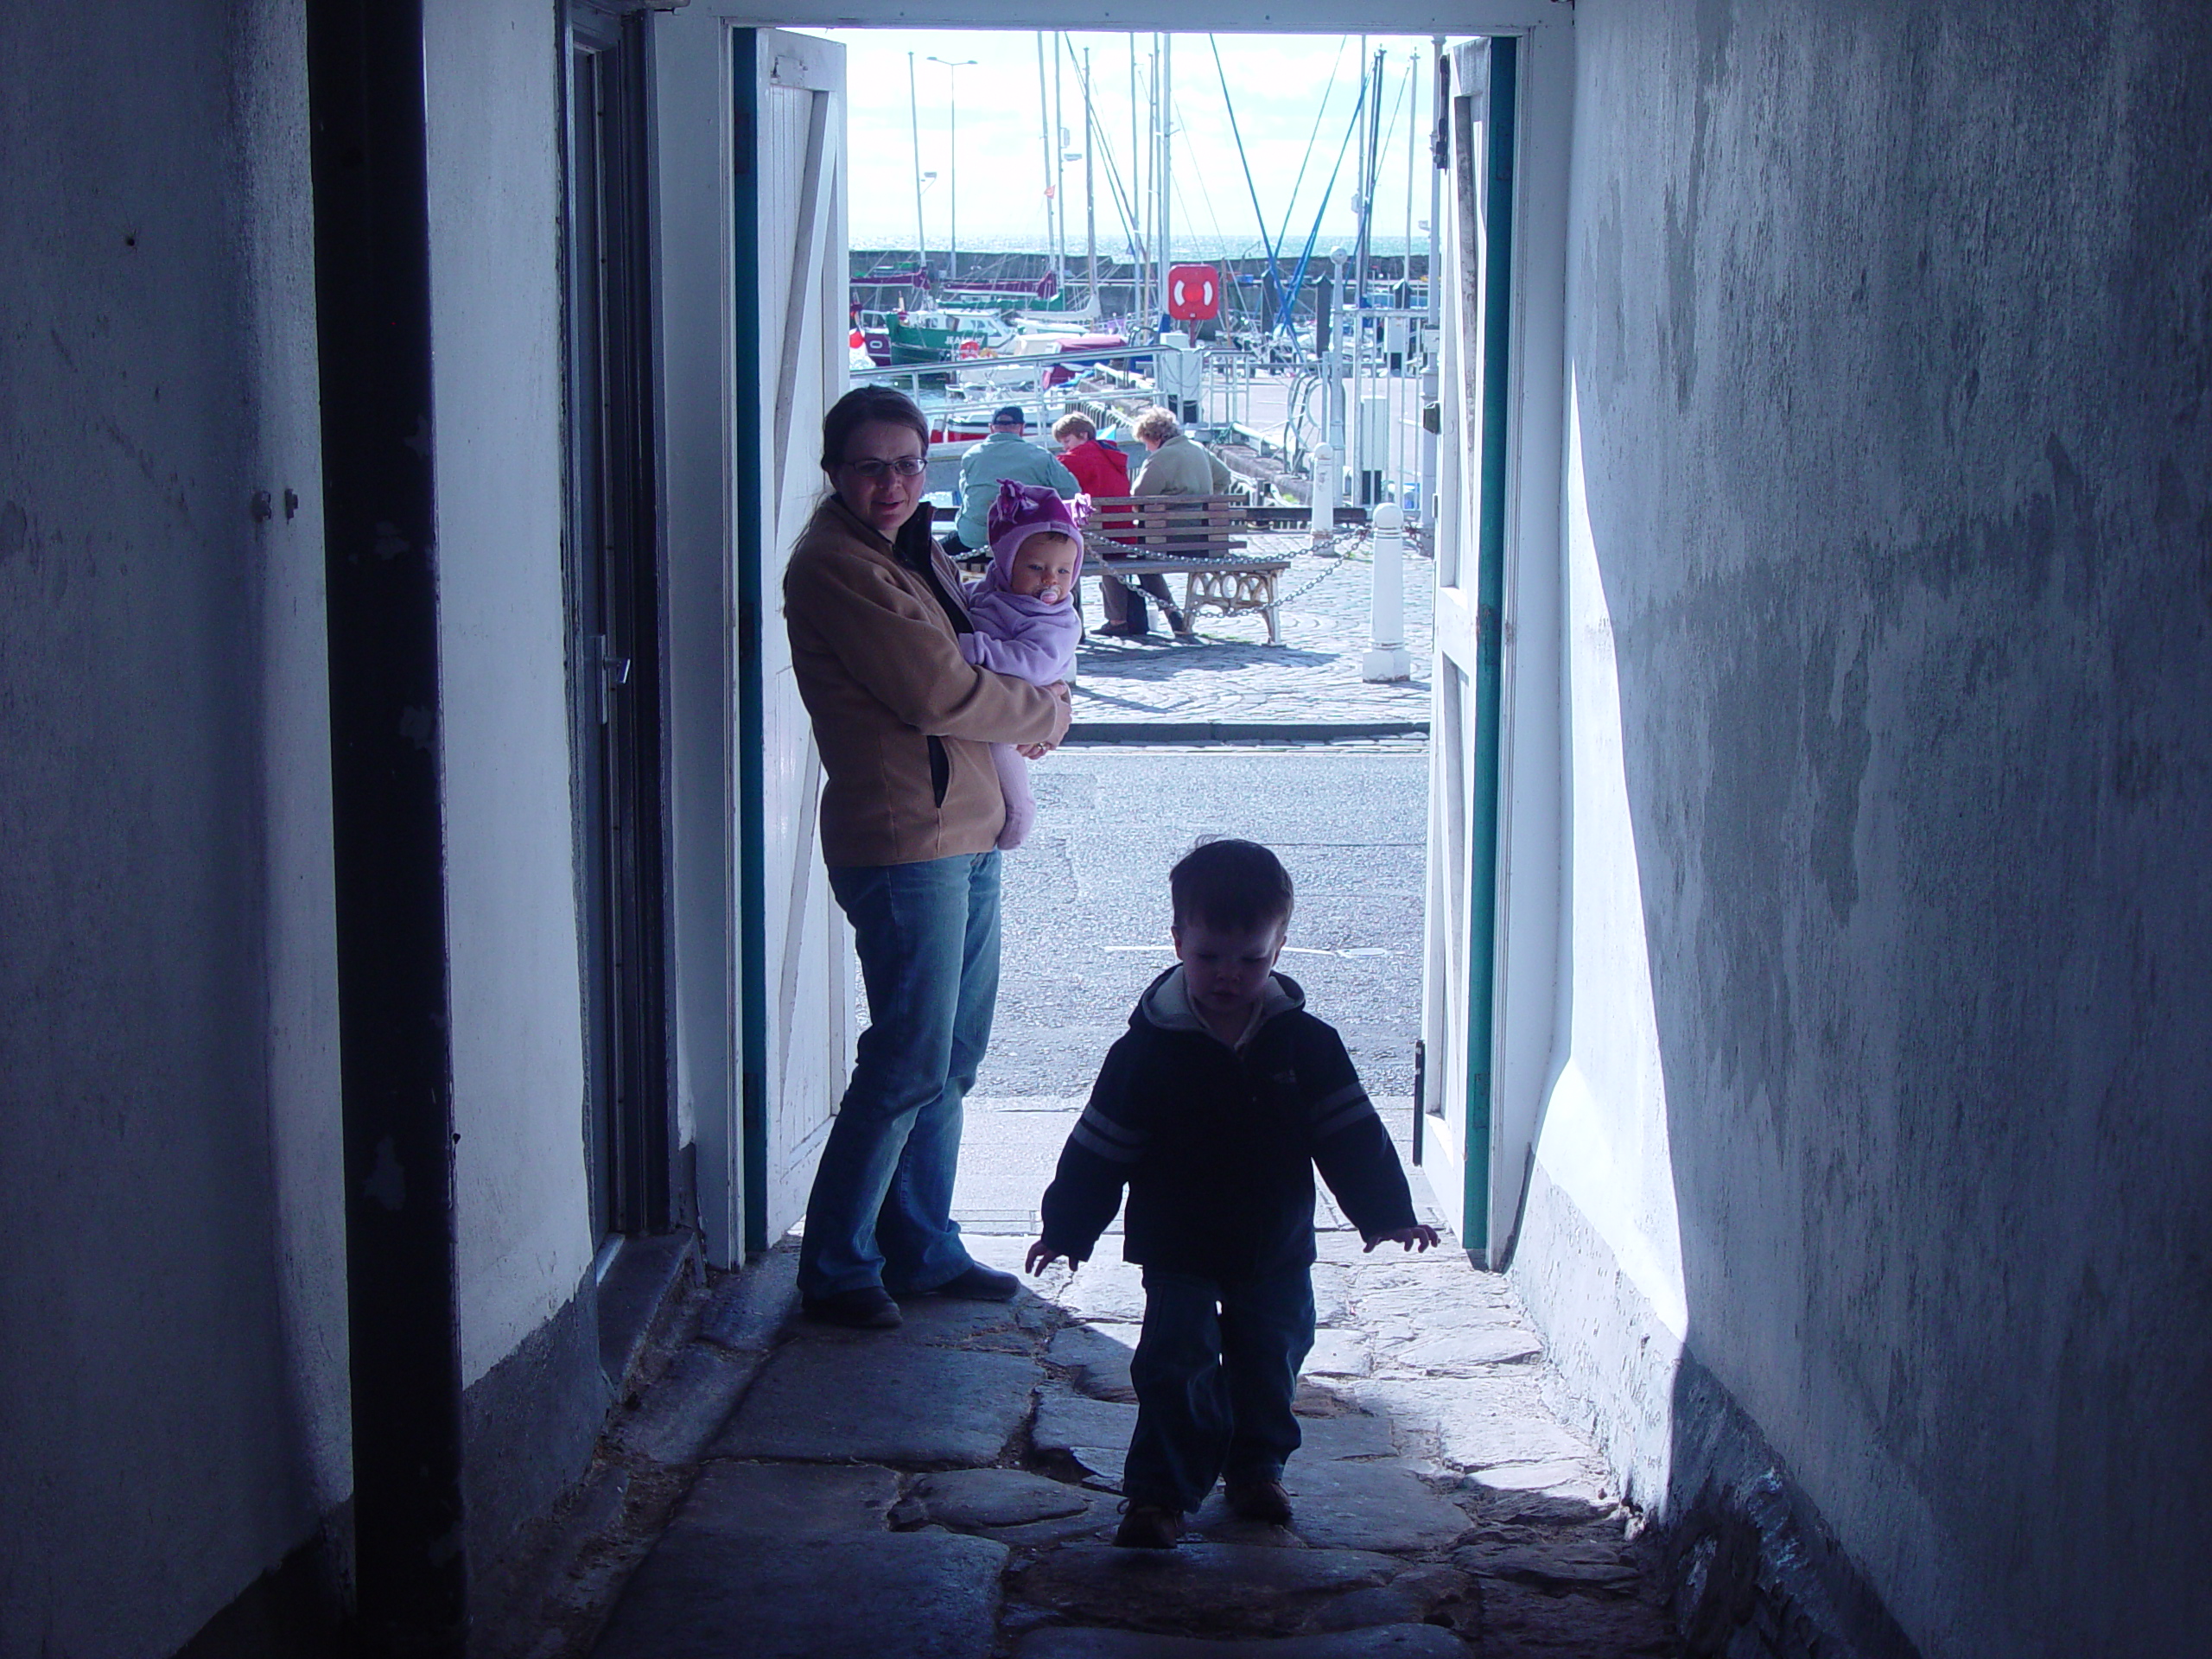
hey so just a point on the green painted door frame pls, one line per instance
(750, 554)
(1490, 608)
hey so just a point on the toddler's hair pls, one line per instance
(1230, 884)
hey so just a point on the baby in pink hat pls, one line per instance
(1027, 623)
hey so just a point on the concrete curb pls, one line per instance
(1238, 731)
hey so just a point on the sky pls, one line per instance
(1280, 86)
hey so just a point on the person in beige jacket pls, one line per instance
(911, 814)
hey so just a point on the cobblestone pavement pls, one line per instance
(1130, 690)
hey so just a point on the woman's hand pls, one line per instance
(1039, 751)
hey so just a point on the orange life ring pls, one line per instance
(969, 350)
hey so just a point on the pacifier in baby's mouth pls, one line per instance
(1049, 594)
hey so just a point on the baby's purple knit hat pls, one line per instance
(1025, 510)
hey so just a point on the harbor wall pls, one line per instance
(1117, 278)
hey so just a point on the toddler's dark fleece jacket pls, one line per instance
(1217, 1145)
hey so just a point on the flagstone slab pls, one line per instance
(1096, 1432)
(677, 1417)
(1201, 1589)
(1531, 1556)
(1337, 1505)
(797, 1502)
(706, 1594)
(1015, 1327)
(1422, 1594)
(1380, 1642)
(1523, 1622)
(1345, 1434)
(1338, 1353)
(885, 1401)
(962, 1498)
(1099, 1354)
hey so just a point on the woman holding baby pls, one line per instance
(913, 811)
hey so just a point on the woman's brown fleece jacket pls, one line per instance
(905, 723)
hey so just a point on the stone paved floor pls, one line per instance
(948, 1490)
(1158, 686)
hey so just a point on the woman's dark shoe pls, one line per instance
(1258, 1500)
(866, 1309)
(1118, 630)
(1178, 625)
(977, 1283)
(1150, 1526)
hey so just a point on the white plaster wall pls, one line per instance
(1600, 1252)
(171, 1335)
(522, 1207)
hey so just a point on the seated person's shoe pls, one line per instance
(1258, 1500)
(1150, 1526)
(977, 1283)
(866, 1309)
(1179, 626)
(1118, 630)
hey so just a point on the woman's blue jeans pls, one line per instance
(880, 1213)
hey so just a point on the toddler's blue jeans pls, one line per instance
(1215, 1372)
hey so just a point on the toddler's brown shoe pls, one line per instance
(1150, 1526)
(1258, 1500)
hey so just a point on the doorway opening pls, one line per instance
(1310, 373)
(758, 225)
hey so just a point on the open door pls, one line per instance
(1461, 932)
(1491, 963)
(788, 269)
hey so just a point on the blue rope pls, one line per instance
(1306, 256)
(1275, 277)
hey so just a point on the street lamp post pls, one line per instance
(952, 161)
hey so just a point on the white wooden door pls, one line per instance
(1490, 973)
(789, 273)
(1463, 793)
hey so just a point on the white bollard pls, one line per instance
(1389, 659)
(1324, 496)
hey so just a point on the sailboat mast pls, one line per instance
(1167, 169)
(1089, 184)
(1431, 376)
(1137, 231)
(914, 126)
(1045, 130)
(1059, 166)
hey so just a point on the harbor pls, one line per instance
(1306, 359)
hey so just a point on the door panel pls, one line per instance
(614, 582)
(796, 981)
(1458, 964)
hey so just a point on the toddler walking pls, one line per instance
(1214, 1110)
(1027, 623)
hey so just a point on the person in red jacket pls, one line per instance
(1103, 470)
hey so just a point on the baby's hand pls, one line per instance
(1410, 1237)
(1040, 1258)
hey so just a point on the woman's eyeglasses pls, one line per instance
(876, 471)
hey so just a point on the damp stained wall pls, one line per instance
(173, 1373)
(172, 1320)
(1890, 351)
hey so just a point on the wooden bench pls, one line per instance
(1200, 538)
